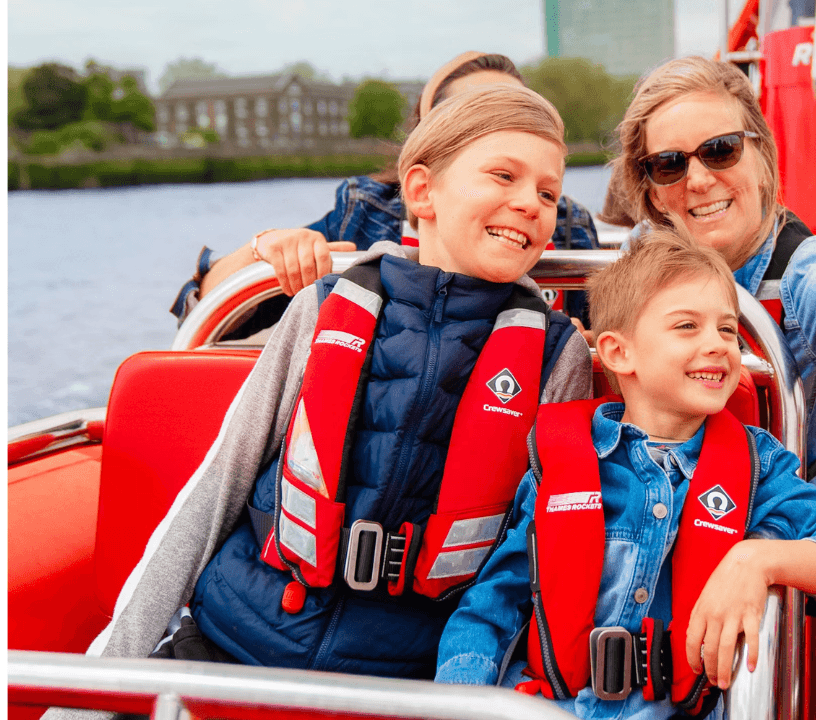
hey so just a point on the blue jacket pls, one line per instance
(366, 211)
(638, 540)
(432, 330)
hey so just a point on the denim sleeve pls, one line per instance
(784, 504)
(494, 609)
(798, 294)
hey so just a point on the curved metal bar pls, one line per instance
(113, 683)
(40, 437)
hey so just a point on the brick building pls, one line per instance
(262, 112)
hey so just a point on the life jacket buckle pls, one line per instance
(364, 545)
(610, 657)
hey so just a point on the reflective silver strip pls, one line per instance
(473, 530)
(458, 562)
(768, 290)
(366, 299)
(521, 318)
(299, 540)
(298, 503)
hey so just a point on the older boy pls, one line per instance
(607, 516)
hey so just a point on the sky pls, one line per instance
(405, 39)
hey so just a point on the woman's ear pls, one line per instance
(614, 352)
(416, 187)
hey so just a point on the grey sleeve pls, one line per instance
(571, 378)
(207, 507)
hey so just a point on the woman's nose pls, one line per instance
(699, 178)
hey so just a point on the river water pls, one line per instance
(92, 273)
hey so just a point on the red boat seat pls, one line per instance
(164, 412)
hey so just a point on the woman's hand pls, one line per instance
(299, 256)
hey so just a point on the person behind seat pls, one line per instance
(369, 209)
(650, 498)
(697, 153)
(457, 350)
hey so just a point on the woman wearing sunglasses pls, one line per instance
(696, 151)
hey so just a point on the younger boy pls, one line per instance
(607, 518)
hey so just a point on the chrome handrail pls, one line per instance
(80, 681)
(58, 432)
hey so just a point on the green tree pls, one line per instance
(54, 96)
(590, 100)
(188, 69)
(305, 70)
(376, 110)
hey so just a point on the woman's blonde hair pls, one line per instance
(671, 82)
(458, 121)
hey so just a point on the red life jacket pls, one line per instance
(794, 232)
(568, 533)
(499, 403)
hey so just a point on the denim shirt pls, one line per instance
(797, 291)
(367, 211)
(638, 543)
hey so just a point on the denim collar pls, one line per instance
(750, 275)
(608, 431)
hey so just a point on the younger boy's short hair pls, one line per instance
(458, 121)
(664, 256)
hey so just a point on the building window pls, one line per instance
(242, 132)
(321, 107)
(181, 128)
(260, 128)
(181, 112)
(333, 108)
(221, 119)
(283, 106)
(261, 107)
(295, 119)
(283, 128)
(308, 128)
(240, 108)
(344, 128)
(334, 128)
(202, 114)
(294, 89)
(322, 128)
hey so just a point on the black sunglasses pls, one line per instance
(718, 153)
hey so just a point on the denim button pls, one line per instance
(641, 595)
(660, 511)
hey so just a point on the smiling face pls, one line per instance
(682, 360)
(490, 212)
(721, 209)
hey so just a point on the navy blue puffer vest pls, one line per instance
(432, 330)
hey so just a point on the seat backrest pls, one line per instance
(164, 412)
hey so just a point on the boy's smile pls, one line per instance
(683, 358)
(494, 206)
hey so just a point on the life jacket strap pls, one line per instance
(622, 661)
(367, 554)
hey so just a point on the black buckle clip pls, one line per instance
(610, 657)
(351, 573)
(394, 552)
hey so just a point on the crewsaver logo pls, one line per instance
(504, 386)
(717, 502)
(343, 339)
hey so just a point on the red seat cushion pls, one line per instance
(164, 412)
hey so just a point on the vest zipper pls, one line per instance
(320, 657)
(418, 410)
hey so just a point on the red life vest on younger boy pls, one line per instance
(567, 546)
(486, 457)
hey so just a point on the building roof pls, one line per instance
(187, 88)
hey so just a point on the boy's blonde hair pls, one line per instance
(458, 121)
(672, 81)
(619, 293)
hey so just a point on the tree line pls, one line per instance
(53, 108)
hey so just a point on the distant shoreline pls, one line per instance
(31, 173)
